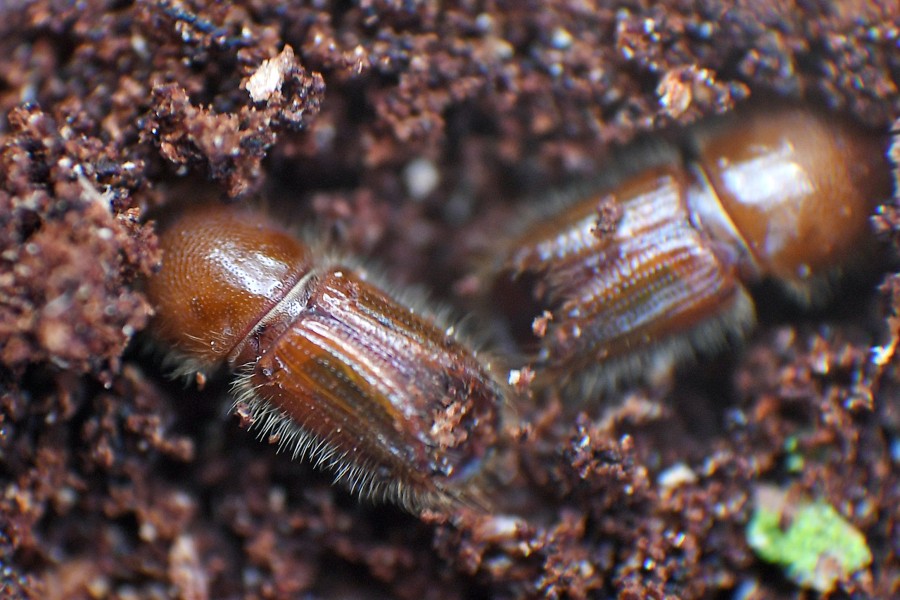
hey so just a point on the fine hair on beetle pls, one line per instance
(650, 264)
(331, 362)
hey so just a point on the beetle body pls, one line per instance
(653, 265)
(330, 365)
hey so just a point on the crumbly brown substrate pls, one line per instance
(412, 134)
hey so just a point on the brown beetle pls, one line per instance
(331, 366)
(652, 265)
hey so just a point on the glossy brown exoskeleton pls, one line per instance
(330, 364)
(652, 265)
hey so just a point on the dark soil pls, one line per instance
(118, 482)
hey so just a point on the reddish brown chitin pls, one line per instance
(653, 266)
(332, 366)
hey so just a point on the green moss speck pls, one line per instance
(818, 548)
